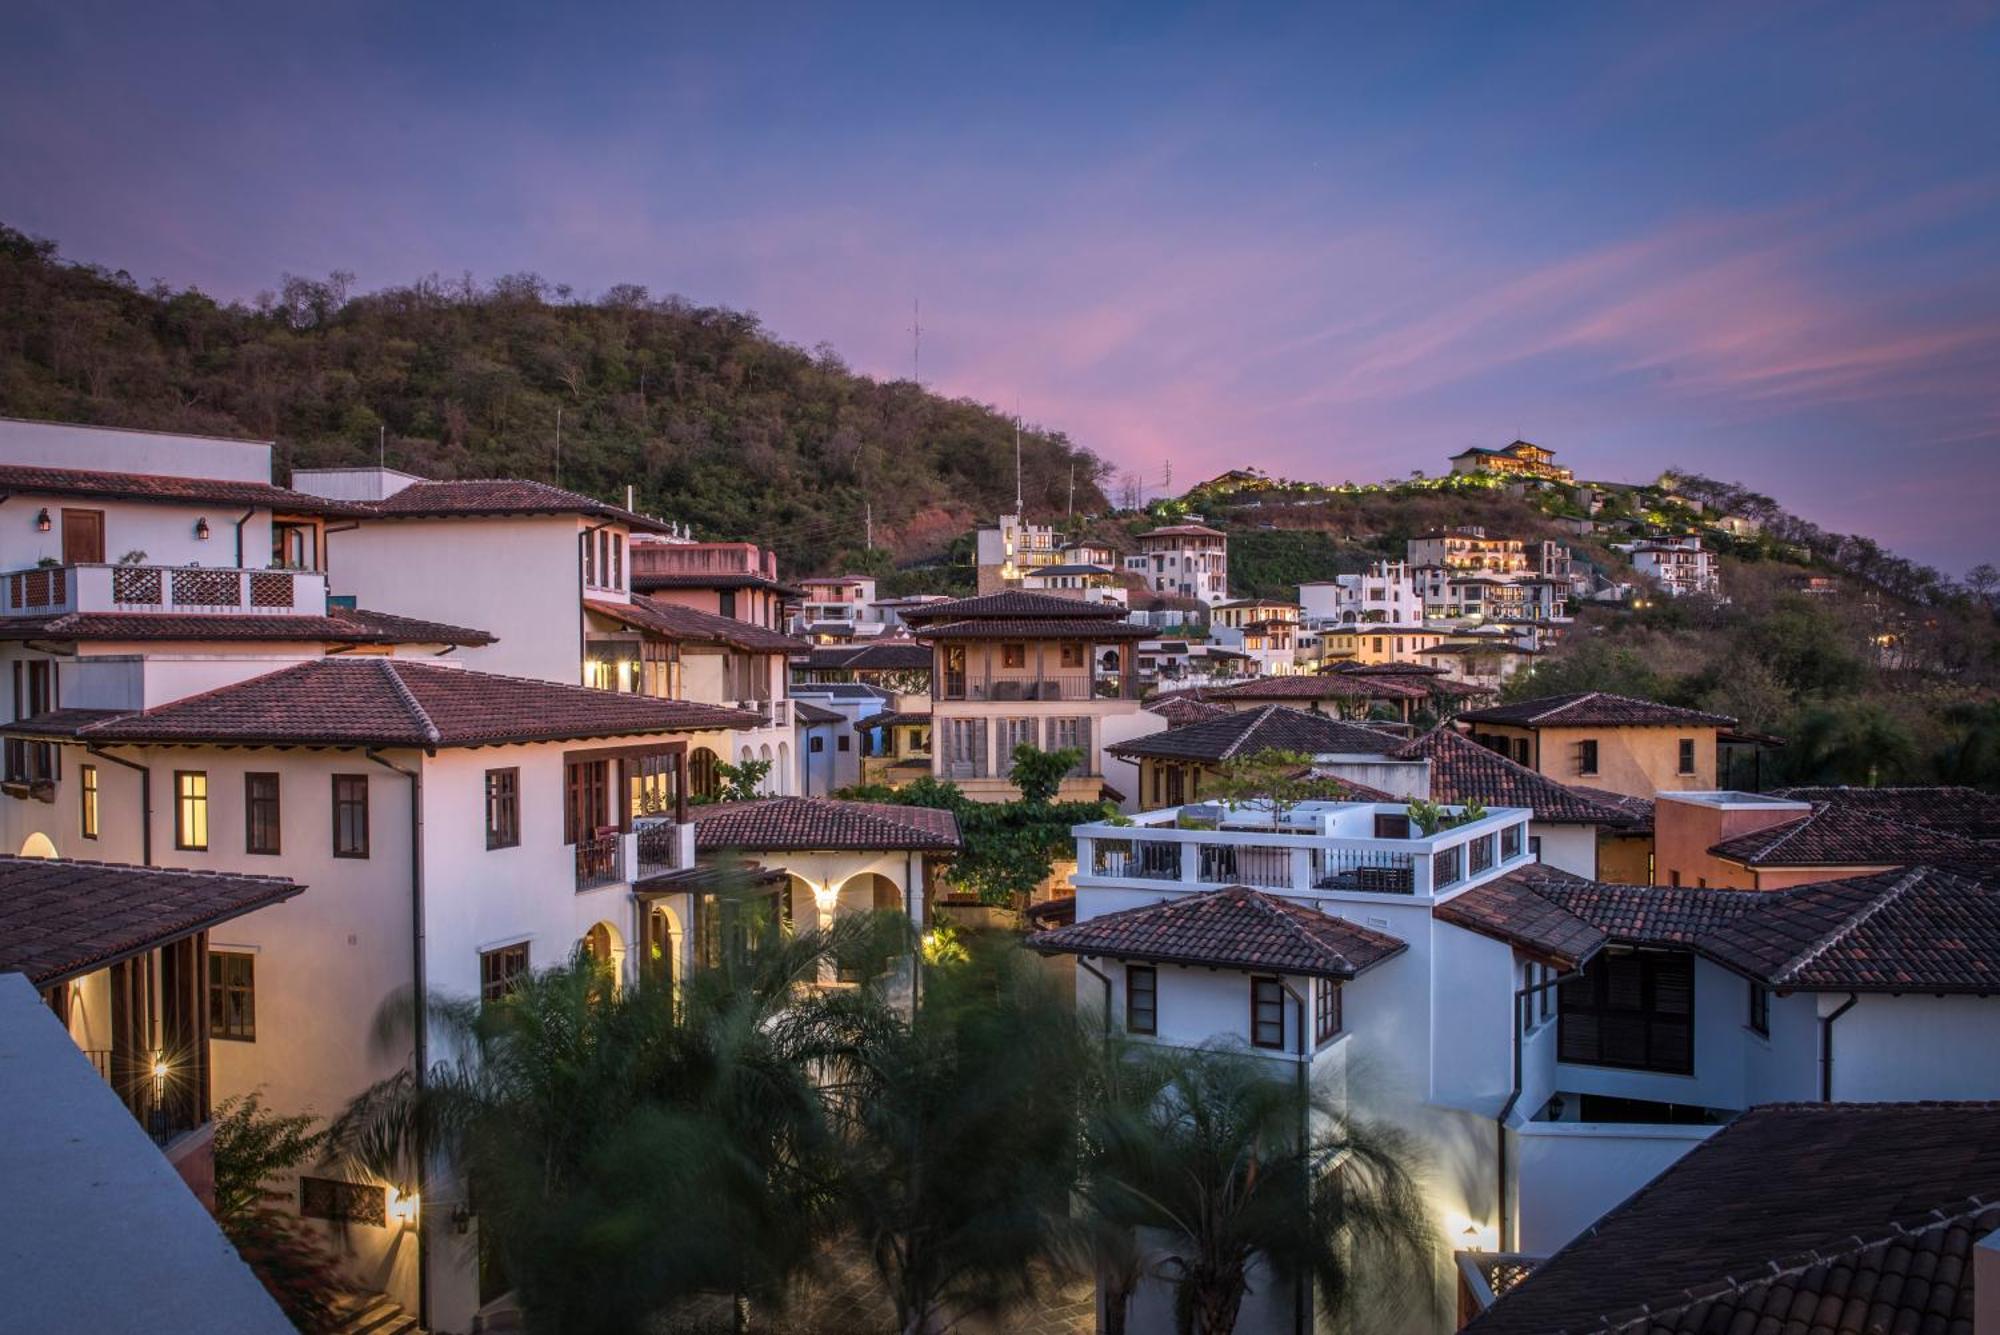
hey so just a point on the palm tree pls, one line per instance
(1231, 1166)
(626, 1149)
(958, 1132)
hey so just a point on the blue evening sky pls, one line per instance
(1340, 241)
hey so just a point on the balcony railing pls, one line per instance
(208, 590)
(773, 713)
(657, 850)
(1320, 846)
(1057, 686)
(600, 861)
(164, 1116)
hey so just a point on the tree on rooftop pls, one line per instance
(1276, 779)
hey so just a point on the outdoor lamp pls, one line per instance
(201, 529)
(42, 520)
(403, 1207)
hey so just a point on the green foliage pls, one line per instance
(253, 1145)
(741, 782)
(1039, 774)
(712, 419)
(1273, 563)
(1430, 817)
(1274, 779)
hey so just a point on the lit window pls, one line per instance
(87, 799)
(191, 810)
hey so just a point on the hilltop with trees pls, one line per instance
(712, 419)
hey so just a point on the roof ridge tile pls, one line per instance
(417, 711)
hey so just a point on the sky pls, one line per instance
(1337, 241)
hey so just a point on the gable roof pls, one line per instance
(648, 581)
(690, 626)
(804, 823)
(1955, 810)
(1186, 707)
(1232, 928)
(1508, 909)
(375, 701)
(475, 498)
(1183, 531)
(895, 656)
(1012, 605)
(1595, 708)
(1321, 686)
(1032, 628)
(1246, 732)
(340, 625)
(159, 488)
(1840, 834)
(1841, 1218)
(61, 917)
(1464, 771)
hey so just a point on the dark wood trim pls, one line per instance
(1256, 981)
(627, 752)
(367, 816)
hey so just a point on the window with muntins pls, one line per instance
(503, 807)
(1142, 999)
(1267, 1013)
(1326, 1009)
(87, 800)
(1631, 1009)
(1687, 755)
(1760, 1009)
(191, 810)
(232, 996)
(260, 814)
(499, 968)
(350, 815)
(1586, 756)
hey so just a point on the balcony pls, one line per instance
(773, 713)
(1029, 686)
(600, 861)
(206, 590)
(1318, 847)
(654, 846)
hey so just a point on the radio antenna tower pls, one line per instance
(916, 342)
(1017, 455)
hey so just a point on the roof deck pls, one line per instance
(1317, 847)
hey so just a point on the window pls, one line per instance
(1586, 756)
(87, 800)
(1326, 1009)
(1267, 1013)
(1142, 999)
(350, 815)
(725, 603)
(815, 744)
(589, 561)
(1013, 655)
(587, 804)
(1631, 1009)
(1072, 734)
(1018, 732)
(1687, 755)
(1520, 750)
(1072, 655)
(260, 813)
(499, 968)
(1760, 1009)
(232, 996)
(503, 807)
(191, 810)
(618, 560)
(843, 742)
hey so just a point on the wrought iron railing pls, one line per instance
(658, 850)
(600, 861)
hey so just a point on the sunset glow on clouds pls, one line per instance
(1763, 242)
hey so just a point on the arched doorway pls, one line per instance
(704, 781)
(783, 773)
(605, 948)
(39, 845)
(862, 893)
(660, 958)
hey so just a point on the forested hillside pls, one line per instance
(714, 421)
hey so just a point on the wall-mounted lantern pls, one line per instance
(201, 529)
(42, 520)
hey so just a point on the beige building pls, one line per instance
(1520, 459)
(1019, 667)
(1636, 747)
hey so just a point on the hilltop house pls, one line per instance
(1520, 459)
(1636, 747)
(1385, 594)
(1467, 550)
(1028, 668)
(1191, 560)
(1681, 566)
(836, 608)
(1009, 550)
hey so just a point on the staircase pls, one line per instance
(369, 1313)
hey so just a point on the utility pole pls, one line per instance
(916, 342)
(1072, 489)
(1017, 456)
(558, 447)
(868, 525)
(1170, 477)
(381, 445)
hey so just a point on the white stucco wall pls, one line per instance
(1914, 1046)
(1570, 848)
(164, 532)
(1568, 1174)
(106, 449)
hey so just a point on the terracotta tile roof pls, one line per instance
(338, 626)
(1012, 605)
(1507, 909)
(1464, 771)
(389, 628)
(1232, 928)
(374, 701)
(1321, 686)
(16, 479)
(1638, 811)
(798, 824)
(1595, 709)
(805, 711)
(649, 581)
(1183, 531)
(1185, 708)
(1962, 811)
(1246, 732)
(892, 719)
(898, 656)
(60, 917)
(1828, 1218)
(1031, 628)
(674, 622)
(1840, 834)
(61, 722)
(706, 879)
(1386, 669)
(1917, 929)
(474, 498)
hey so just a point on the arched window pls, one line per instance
(703, 780)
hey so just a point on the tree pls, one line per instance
(740, 782)
(1235, 1166)
(1275, 779)
(626, 1152)
(253, 1145)
(958, 1138)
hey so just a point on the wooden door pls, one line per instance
(82, 537)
